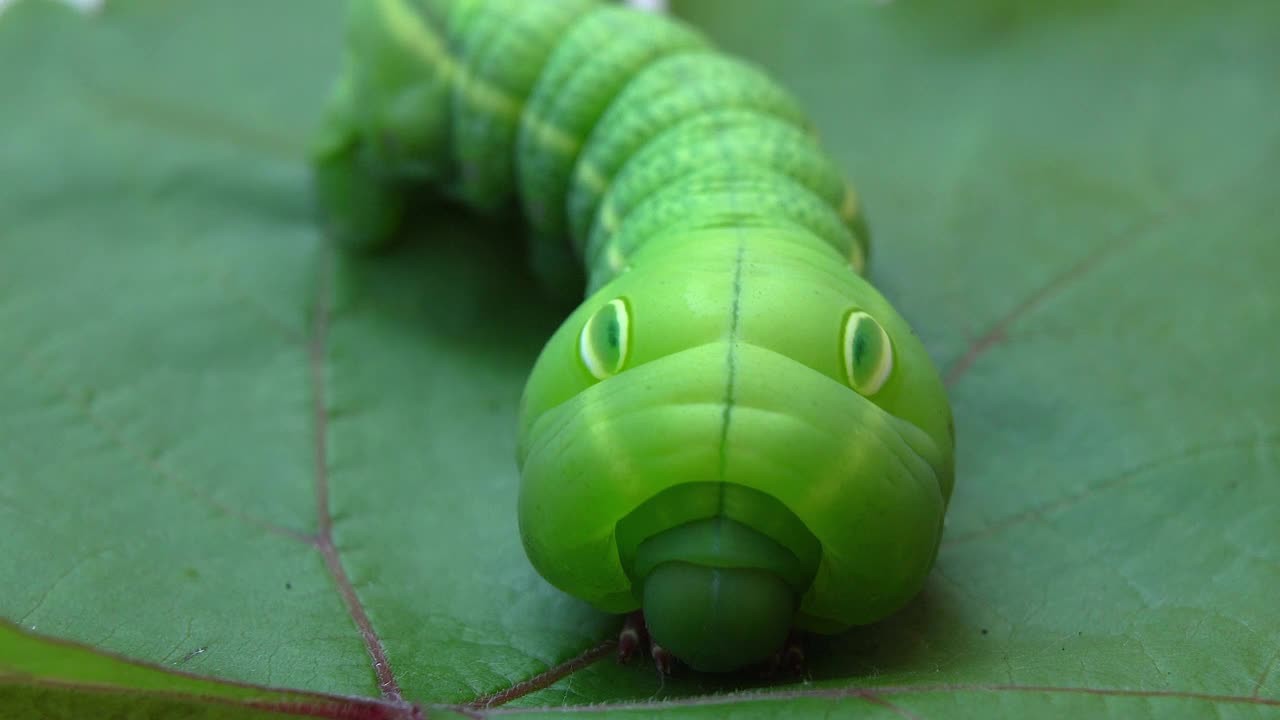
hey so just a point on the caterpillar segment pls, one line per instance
(734, 433)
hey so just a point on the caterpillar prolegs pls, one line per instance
(734, 432)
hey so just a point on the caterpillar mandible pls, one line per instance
(734, 433)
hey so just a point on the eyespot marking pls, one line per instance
(868, 353)
(605, 340)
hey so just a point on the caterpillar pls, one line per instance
(733, 433)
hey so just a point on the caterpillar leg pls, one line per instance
(632, 635)
(789, 660)
(635, 634)
(663, 660)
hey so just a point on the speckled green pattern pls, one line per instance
(689, 186)
(503, 53)
(596, 58)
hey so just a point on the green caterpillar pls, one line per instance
(734, 433)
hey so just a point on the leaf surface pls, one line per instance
(226, 451)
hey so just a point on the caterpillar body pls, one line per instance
(734, 432)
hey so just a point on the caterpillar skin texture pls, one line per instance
(734, 432)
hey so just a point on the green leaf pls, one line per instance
(47, 678)
(225, 451)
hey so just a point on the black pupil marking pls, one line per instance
(611, 333)
(859, 346)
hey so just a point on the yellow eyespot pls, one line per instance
(868, 353)
(605, 340)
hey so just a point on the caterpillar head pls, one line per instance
(736, 453)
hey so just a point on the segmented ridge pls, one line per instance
(612, 126)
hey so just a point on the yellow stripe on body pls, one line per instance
(849, 208)
(849, 212)
(589, 175)
(550, 136)
(417, 36)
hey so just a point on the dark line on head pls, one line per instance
(731, 360)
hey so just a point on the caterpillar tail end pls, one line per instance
(718, 619)
(387, 124)
(359, 209)
(360, 212)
